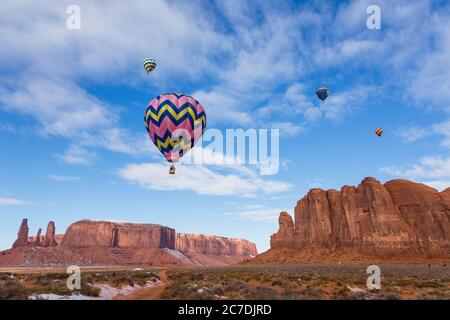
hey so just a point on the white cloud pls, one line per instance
(7, 127)
(288, 129)
(12, 202)
(246, 60)
(208, 156)
(443, 129)
(431, 82)
(76, 155)
(434, 171)
(341, 104)
(223, 107)
(61, 108)
(306, 108)
(119, 140)
(262, 60)
(440, 185)
(313, 114)
(344, 51)
(297, 97)
(240, 182)
(256, 213)
(49, 73)
(58, 178)
(104, 48)
(412, 133)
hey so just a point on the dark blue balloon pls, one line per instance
(322, 93)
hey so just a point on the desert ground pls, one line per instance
(246, 282)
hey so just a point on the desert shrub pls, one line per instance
(437, 293)
(6, 276)
(341, 293)
(277, 282)
(13, 290)
(258, 293)
(389, 296)
(89, 290)
(218, 290)
(312, 293)
(319, 282)
(234, 286)
(179, 290)
(306, 277)
(427, 284)
(58, 287)
(404, 282)
(119, 281)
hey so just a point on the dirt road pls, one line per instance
(152, 293)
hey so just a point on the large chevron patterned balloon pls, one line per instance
(174, 122)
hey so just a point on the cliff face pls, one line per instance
(213, 245)
(400, 220)
(214, 250)
(88, 233)
(110, 243)
(22, 235)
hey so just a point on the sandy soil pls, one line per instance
(152, 293)
(297, 281)
(25, 270)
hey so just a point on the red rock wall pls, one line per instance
(109, 243)
(22, 235)
(213, 245)
(88, 233)
(400, 216)
(35, 240)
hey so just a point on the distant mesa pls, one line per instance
(205, 250)
(90, 242)
(398, 222)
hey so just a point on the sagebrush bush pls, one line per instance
(13, 290)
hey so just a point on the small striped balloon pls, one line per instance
(149, 64)
(379, 132)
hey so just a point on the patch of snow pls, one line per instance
(180, 256)
(107, 292)
(51, 296)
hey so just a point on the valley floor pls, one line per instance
(246, 282)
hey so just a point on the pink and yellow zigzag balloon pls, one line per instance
(174, 122)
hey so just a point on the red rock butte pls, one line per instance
(89, 242)
(398, 222)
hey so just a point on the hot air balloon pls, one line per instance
(174, 122)
(322, 93)
(379, 132)
(149, 64)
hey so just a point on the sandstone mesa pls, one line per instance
(399, 222)
(89, 242)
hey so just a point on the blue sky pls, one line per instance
(73, 144)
